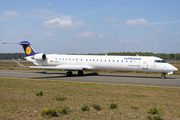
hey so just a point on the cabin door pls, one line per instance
(145, 65)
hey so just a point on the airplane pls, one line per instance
(79, 63)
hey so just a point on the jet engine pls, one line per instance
(39, 56)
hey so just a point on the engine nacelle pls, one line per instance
(39, 56)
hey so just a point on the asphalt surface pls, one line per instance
(150, 80)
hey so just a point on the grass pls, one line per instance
(97, 107)
(19, 101)
(113, 106)
(134, 107)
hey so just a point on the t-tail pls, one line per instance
(28, 49)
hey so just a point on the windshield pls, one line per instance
(157, 61)
(163, 61)
(160, 61)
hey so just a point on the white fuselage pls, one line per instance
(127, 63)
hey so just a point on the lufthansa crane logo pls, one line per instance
(28, 50)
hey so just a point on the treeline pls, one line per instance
(164, 56)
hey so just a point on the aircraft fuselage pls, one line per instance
(127, 63)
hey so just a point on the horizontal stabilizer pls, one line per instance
(10, 43)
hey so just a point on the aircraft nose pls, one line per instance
(175, 69)
(172, 68)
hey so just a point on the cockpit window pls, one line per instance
(163, 61)
(157, 61)
(160, 61)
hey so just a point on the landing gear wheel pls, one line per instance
(80, 72)
(69, 73)
(163, 76)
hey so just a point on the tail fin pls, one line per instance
(28, 49)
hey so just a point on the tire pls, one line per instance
(80, 72)
(163, 77)
(69, 74)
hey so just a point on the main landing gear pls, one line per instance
(80, 72)
(69, 73)
(163, 76)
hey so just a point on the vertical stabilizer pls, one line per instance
(28, 49)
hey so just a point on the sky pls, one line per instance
(90, 26)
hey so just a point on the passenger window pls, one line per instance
(113, 60)
(63, 59)
(69, 58)
(117, 60)
(131, 61)
(59, 58)
(97, 59)
(101, 60)
(86, 59)
(81, 59)
(104, 60)
(121, 60)
(90, 60)
(93, 59)
(126, 61)
(76, 59)
(109, 60)
(66, 58)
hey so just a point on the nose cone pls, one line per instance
(175, 69)
(172, 68)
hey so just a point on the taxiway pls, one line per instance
(149, 80)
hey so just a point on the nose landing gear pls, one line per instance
(163, 76)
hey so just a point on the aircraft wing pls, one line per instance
(60, 67)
